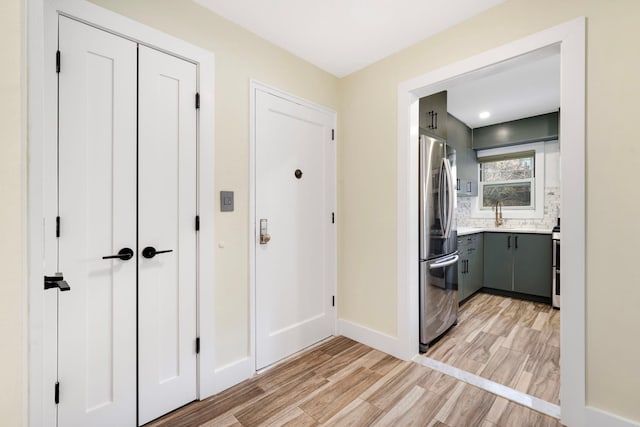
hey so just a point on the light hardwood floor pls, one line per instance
(345, 383)
(512, 342)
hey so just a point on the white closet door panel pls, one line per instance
(97, 206)
(167, 209)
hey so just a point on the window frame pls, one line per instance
(532, 181)
(536, 210)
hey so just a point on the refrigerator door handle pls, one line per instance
(441, 178)
(450, 199)
(447, 262)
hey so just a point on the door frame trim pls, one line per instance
(256, 85)
(571, 36)
(42, 112)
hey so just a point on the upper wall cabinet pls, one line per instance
(459, 137)
(537, 128)
(433, 114)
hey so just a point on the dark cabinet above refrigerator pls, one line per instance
(433, 114)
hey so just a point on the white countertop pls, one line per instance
(463, 231)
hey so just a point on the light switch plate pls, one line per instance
(226, 201)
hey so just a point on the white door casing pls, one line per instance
(167, 210)
(294, 277)
(97, 202)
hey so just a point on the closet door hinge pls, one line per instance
(197, 100)
(58, 61)
(197, 222)
(197, 345)
(56, 393)
(57, 226)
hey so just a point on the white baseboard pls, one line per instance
(599, 418)
(227, 376)
(372, 338)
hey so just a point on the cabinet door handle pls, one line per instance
(516, 242)
(436, 126)
(458, 184)
(508, 242)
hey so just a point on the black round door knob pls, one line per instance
(123, 254)
(298, 173)
(150, 252)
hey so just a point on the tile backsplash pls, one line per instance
(551, 212)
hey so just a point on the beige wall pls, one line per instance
(240, 56)
(367, 154)
(11, 245)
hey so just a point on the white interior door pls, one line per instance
(97, 208)
(166, 222)
(294, 273)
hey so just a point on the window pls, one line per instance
(509, 179)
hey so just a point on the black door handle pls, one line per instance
(516, 242)
(509, 242)
(124, 254)
(150, 252)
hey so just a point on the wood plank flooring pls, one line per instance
(512, 342)
(345, 383)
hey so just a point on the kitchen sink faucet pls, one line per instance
(499, 219)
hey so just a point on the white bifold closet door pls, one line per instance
(127, 181)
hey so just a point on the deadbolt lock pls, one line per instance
(264, 235)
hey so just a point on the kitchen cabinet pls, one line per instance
(433, 114)
(518, 262)
(498, 261)
(532, 264)
(531, 129)
(470, 269)
(459, 137)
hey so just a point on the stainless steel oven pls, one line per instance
(555, 268)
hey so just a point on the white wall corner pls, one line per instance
(372, 338)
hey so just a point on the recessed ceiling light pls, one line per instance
(484, 115)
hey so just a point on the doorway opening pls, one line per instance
(571, 39)
(507, 330)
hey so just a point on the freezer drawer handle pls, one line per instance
(447, 262)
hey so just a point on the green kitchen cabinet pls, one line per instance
(459, 137)
(532, 264)
(433, 114)
(475, 267)
(518, 262)
(530, 129)
(470, 267)
(498, 261)
(462, 263)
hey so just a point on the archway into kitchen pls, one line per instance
(529, 329)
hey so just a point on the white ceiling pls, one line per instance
(343, 36)
(522, 87)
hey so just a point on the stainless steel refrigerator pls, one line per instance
(438, 239)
